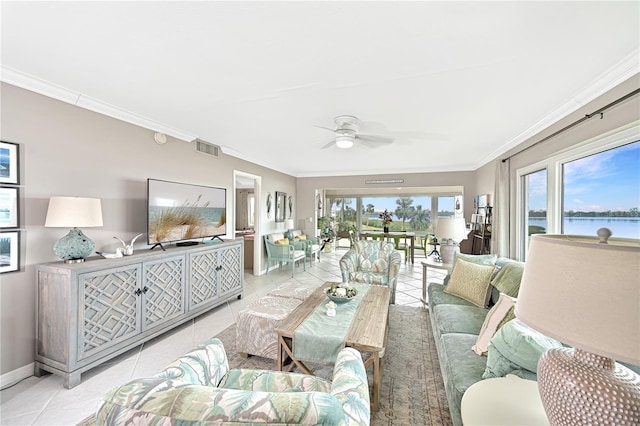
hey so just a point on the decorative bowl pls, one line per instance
(334, 293)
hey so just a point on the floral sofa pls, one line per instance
(199, 389)
(372, 262)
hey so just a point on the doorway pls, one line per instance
(247, 213)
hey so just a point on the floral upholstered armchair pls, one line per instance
(199, 389)
(372, 262)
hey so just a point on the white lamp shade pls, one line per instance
(451, 228)
(73, 212)
(288, 224)
(584, 294)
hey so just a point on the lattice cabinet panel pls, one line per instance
(110, 308)
(90, 312)
(203, 278)
(163, 291)
(230, 275)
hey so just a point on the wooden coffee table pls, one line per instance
(368, 332)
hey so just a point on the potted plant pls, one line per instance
(327, 234)
(386, 220)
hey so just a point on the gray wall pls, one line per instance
(70, 151)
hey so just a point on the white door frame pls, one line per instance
(257, 238)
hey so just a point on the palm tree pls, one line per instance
(421, 219)
(404, 210)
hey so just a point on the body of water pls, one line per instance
(621, 227)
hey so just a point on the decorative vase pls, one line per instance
(386, 229)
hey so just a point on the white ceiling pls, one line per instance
(456, 83)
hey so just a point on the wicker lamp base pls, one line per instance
(578, 387)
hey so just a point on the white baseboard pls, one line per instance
(14, 376)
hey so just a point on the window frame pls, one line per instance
(554, 167)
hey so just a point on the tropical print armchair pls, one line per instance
(372, 262)
(199, 389)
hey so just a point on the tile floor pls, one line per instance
(44, 400)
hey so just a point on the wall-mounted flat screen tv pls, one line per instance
(179, 212)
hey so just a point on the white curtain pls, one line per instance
(501, 214)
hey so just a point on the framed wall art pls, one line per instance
(9, 172)
(281, 209)
(9, 251)
(269, 203)
(9, 204)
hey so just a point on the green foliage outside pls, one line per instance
(410, 218)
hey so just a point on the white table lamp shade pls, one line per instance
(73, 212)
(584, 294)
(288, 224)
(451, 228)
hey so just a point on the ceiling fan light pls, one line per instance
(344, 142)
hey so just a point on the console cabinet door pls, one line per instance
(203, 278)
(163, 291)
(230, 275)
(109, 308)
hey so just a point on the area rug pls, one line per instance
(412, 391)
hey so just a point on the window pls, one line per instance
(594, 185)
(534, 204)
(603, 191)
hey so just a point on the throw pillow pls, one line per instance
(283, 241)
(516, 346)
(492, 323)
(471, 282)
(302, 237)
(508, 279)
(483, 259)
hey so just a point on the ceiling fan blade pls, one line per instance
(325, 128)
(374, 138)
(328, 145)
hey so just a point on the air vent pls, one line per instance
(207, 148)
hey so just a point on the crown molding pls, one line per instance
(619, 73)
(46, 88)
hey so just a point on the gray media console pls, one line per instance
(90, 312)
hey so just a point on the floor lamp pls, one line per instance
(586, 294)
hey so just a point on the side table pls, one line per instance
(431, 263)
(506, 400)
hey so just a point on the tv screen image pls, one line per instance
(180, 211)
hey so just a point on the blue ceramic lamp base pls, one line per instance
(73, 247)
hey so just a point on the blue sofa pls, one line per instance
(514, 348)
(456, 325)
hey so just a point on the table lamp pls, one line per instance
(288, 225)
(450, 231)
(586, 294)
(73, 212)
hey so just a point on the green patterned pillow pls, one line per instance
(507, 281)
(471, 282)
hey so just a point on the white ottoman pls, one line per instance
(255, 329)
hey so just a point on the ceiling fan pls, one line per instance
(346, 134)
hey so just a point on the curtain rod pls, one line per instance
(575, 123)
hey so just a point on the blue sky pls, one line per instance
(609, 180)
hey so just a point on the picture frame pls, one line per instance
(9, 251)
(281, 209)
(9, 207)
(9, 164)
(269, 203)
